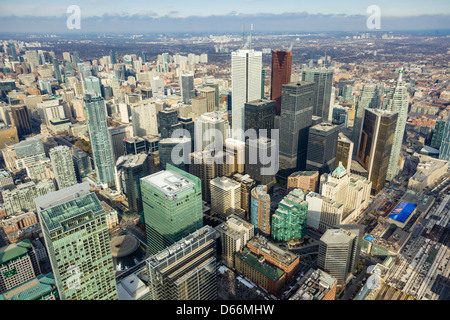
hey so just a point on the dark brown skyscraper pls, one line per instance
(281, 74)
(21, 121)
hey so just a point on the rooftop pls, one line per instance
(15, 250)
(271, 272)
(169, 182)
(225, 183)
(31, 290)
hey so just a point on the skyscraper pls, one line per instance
(82, 163)
(262, 160)
(344, 151)
(445, 144)
(131, 169)
(323, 79)
(281, 74)
(92, 85)
(246, 68)
(144, 118)
(21, 120)
(260, 210)
(260, 115)
(289, 220)
(209, 94)
(375, 145)
(102, 152)
(186, 270)
(225, 196)
(438, 134)
(397, 100)
(296, 117)
(63, 168)
(172, 201)
(339, 252)
(187, 87)
(76, 237)
(322, 145)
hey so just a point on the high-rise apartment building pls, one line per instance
(172, 201)
(397, 100)
(63, 167)
(260, 210)
(323, 79)
(76, 236)
(296, 117)
(375, 145)
(234, 235)
(289, 220)
(246, 66)
(281, 74)
(102, 151)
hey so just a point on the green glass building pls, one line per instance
(289, 220)
(172, 201)
(73, 223)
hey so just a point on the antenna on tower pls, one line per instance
(243, 36)
(251, 36)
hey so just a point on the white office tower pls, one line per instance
(211, 130)
(157, 86)
(225, 196)
(144, 118)
(246, 72)
(397, 100)
(63, 167)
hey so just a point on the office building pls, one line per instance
(207, 128)
(273, 254)
(42, 287)
(289, 220)
(131, 169)
(234, 235)
(339, 251)
(296, 117)
(92, 85)
(117, 136)
(247, 184)
(187, 87)
(323, 79)
(136, 145)
(18, 264)
(174, 151)
(375, 145)
(168, 122)
(76, 237)
(63, 168)
(262, 160)
(246, 66)
(210, 95)
(322, 145)
(21, 121)
(397, 100)
(429, 171)
(344, 151)
(225, 196)
(260, 115)
(306, 180)
(281, 74)
(316, 285)
(172, 201)
(102, 151)
(368, 99)
(323, 212)
(186, 270)
(260, 210)
(438, 134)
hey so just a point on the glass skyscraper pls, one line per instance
(73, 223)
(445, 144)
(95, 112)
(172, 201)
(323, 79)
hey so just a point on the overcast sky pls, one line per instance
(224, 15)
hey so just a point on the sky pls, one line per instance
(225, 15)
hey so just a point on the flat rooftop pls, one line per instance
(169, 182)
(225, 183)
